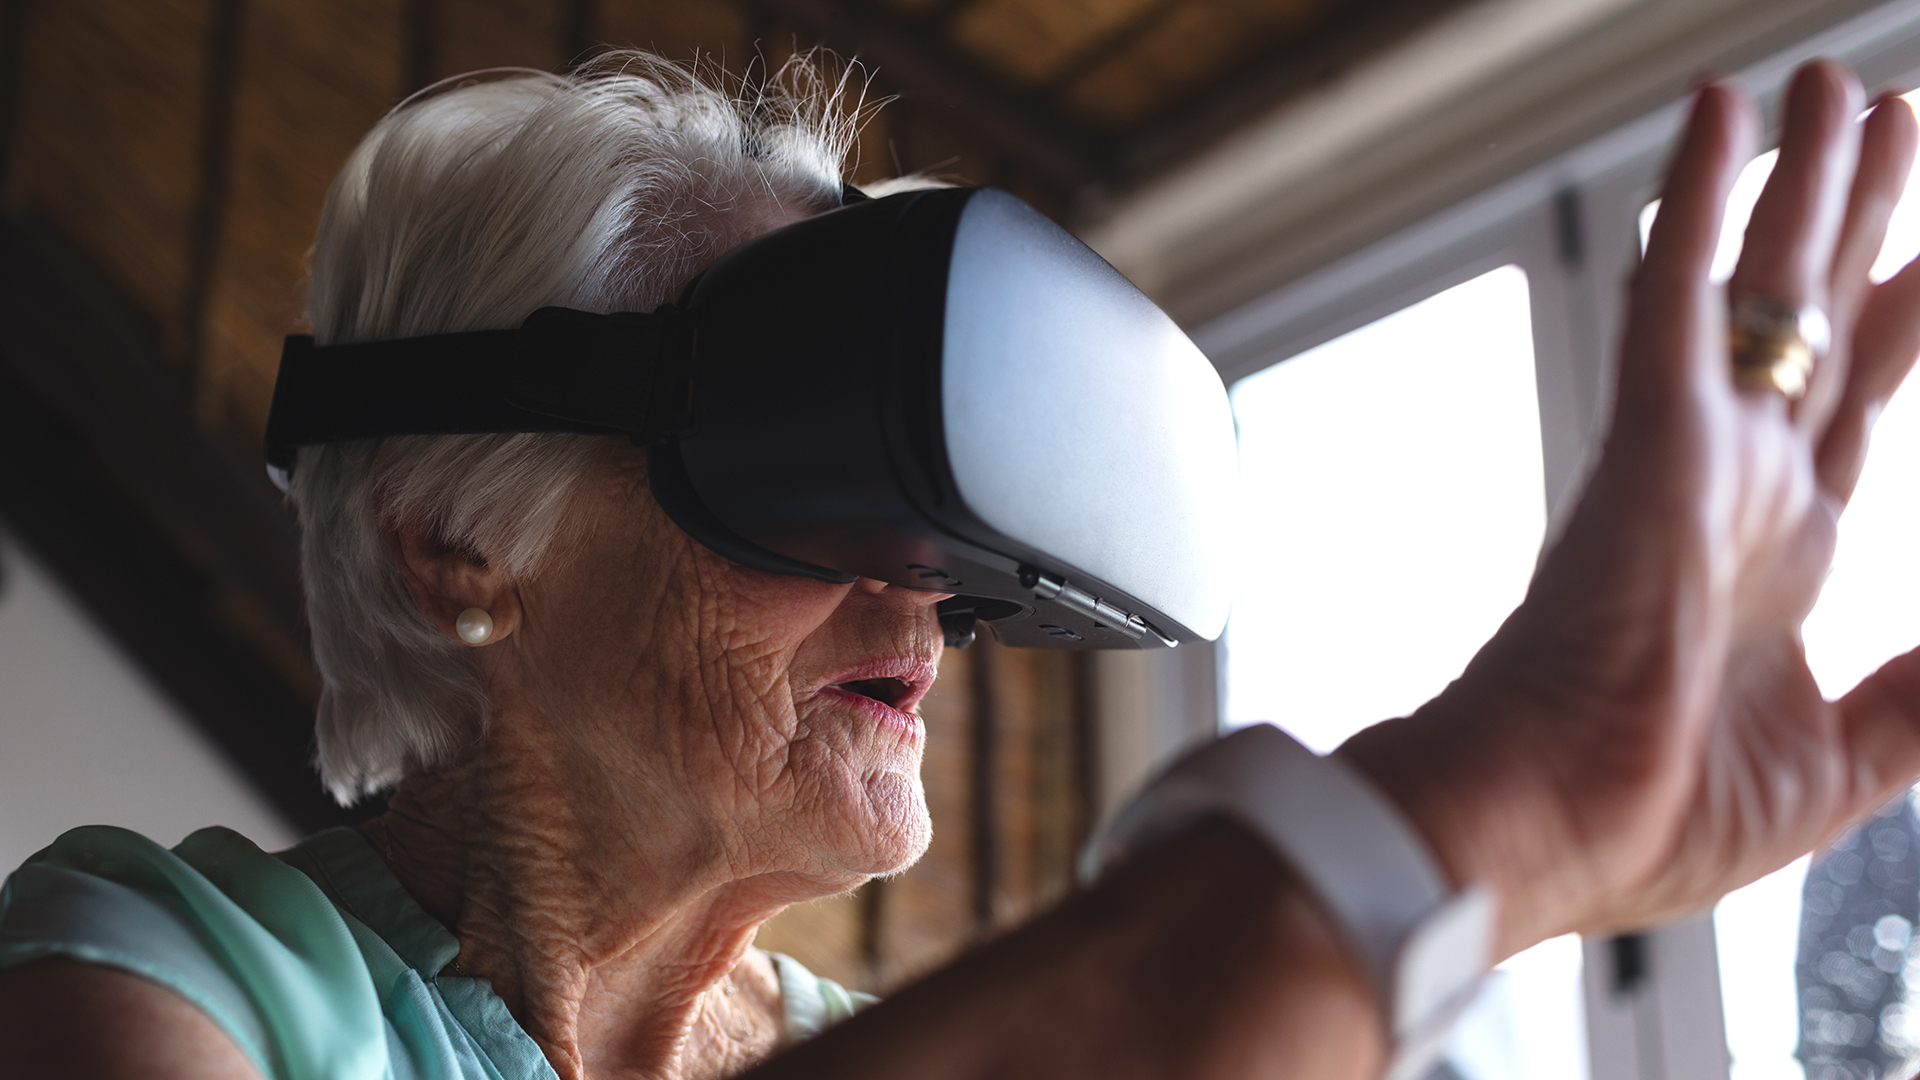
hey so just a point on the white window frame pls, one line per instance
(1572, 224)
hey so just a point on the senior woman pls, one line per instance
(649, 750)
(614, 753)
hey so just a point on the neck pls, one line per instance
(620, 943)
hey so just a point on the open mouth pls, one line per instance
(893, 693)
(894, 684)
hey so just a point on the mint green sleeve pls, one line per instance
(811, 1004)
(249, 940)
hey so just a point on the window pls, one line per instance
(1394, 506)
(1358, 610)
(1393, 510)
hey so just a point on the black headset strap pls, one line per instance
(562, 371)
(626, 373)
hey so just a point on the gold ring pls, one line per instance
(1775, 345)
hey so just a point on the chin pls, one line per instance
(901, 827)
(861, 811)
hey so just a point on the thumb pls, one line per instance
(1880, 721)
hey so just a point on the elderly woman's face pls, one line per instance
(776, 717)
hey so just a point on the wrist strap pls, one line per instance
(1423, 948)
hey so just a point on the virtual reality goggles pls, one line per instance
(941, 390)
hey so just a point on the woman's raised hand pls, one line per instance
(1643, 734)
(1640, 737)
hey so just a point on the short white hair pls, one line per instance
(468, 208)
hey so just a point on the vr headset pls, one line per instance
(941, 390)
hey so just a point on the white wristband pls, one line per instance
(1423, 949)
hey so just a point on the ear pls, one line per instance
(445, 580)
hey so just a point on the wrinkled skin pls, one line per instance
(666, 765)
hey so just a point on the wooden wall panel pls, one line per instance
(313, 77)
(828, 936)
(474, 34)
(876, 156)
(928, 142)
(711, 29)
(107, 141)
(925, 916)
(1184, 51)
(1034, 780)
(1006, 780)
(1057, 796)
(1033, 41)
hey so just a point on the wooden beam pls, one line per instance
(1185, 125)
(943, 12)
(982, 789)
(13, 32)
(420, 19)
(1112, 44)
(577, 34)
(1086, 754)
(215, 167)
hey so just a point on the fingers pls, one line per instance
(1790, 242)
(1887, 146)
(1885, 342)
(1881, 728)
(1671, 288)
(1887, 143)
(1795, 229)
(1885, 331)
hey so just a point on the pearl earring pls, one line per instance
(474, 626)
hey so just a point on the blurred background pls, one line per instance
(1398, 227)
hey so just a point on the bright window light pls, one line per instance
(1868, 613)
(1757, 933)
(1740, 200)
(1394, 509)
(1395, 506)
(1903, 232)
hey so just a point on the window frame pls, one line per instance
(1571, 224)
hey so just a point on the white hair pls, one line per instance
(468, 208)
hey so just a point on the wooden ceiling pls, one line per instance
(184, 146)
(1093, 95)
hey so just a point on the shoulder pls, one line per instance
(116, 902)
(214, 925)
(54, 1014)
(809, 1003)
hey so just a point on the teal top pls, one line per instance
(314, 959)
